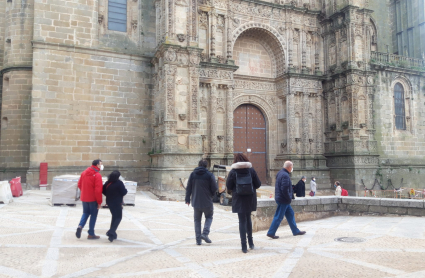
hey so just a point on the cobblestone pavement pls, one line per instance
(156, 239)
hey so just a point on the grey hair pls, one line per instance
(303, 177)
(288, 164)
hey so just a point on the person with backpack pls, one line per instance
(339, 191)
(283, 198)
(202, 187)
(243, 182)
(114, 190)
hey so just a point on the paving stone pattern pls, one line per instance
(156, 239)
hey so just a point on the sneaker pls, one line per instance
(78, 232)
(93, 237)
(206, 238)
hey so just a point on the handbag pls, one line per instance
(244, 185)
(311, 193)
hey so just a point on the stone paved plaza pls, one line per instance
(156, 239)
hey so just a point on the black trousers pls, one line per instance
(197, 215)
(116, 211)
(245, 226)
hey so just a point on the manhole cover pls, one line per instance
(350, 239)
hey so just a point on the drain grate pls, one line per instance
(350, 239)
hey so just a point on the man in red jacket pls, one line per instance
(90, 184)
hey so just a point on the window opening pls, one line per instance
(117, 15)
(400, 119)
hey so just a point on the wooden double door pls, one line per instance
(249, 131)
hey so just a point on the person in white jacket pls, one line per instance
(313, 186)
(338, 189)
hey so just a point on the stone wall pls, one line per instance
(401, 151)
(16, 120)
(86, 105)
(2, 34)
(312, 208)
(17, 29)
(15, 124)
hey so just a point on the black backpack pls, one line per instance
(244, 185)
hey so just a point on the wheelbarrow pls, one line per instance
(221, 195)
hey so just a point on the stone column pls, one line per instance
(350, 44)
(305, 127)
(338, 115)
(171, 20)
(326, 101)
(204, 146)
(316, 55)
(370, 108)
(337, 50)
(170, 76)
(229, 121)
(194, 22)
(290, 47)
(303, 42)
(229, 37)
(195, 140)
(355, 115)
(319, 125)
(194, 92)
(213, 119)
(291, 144)
(213, 30)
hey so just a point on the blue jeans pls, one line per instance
(283, 210)
(89, 209)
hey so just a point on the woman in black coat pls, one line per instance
(243, 205)
(300, 187)
(114, 190)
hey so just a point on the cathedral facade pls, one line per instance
(151, 87)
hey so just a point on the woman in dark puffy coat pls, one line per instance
(114, 190)
(243, 205)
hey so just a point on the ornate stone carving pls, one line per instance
(182, 58)
(255, 85)
(352, 161)
(213, 73)
(194, 58)
(170, 55)
(181, 37)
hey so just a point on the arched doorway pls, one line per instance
(249, 131)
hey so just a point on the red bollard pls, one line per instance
(16, 187)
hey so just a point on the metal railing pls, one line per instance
(396, 60)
